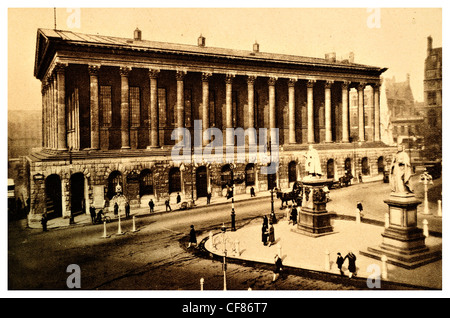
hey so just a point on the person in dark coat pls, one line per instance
(178, 198)
(351, 264)
(339, 262)
(278, 268)
(252, 192)
(116, 209)
(44, 221)
(151, 204)
(168, 206)
(264, 234)
(294, 215)
(192, 237)
(265, 221)
(92, 212)
(359, 208)
(271, 235)
(127, 210)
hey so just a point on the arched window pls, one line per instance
(250, 175)
(330, 169)
(292, 171)
(380, 164)
(174, 180)
(201, 181)
(146, 182)
(348, 166)
(53, 196)
(365, 169)
(226, 175)
(77, 204)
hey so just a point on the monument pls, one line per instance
(403, 243)
(314, 219)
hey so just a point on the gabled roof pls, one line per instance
(46, 36)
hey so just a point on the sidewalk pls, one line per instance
(319, 254)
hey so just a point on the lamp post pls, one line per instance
(224, 265)
(426, 179)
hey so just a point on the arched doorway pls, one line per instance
(146, 182)
(53, 200)
(77, 204)
(201, 181)
(292, 171)
(365, 169)
(330, 169)
(347, 166)
(174, 180)
(250, 175)
(226, 176)
(114, 178)
(380, 164)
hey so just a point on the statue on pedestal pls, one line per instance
(400, 172)
(312, 164)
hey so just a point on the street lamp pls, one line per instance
(224, 265)
(426, 179)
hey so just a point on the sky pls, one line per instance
(395, 38)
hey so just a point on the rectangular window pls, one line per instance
(135, 106)
(106, 105)
(431, 96)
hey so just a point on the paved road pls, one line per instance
(153, 258)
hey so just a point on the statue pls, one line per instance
(400, 172)
(313, 162)
(118, 188)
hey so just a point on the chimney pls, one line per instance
(430, 45)
(137, 35)
(256, 47)
(351, 57)
(331, 57)
(201, 41)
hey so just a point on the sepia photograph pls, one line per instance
(218, 149)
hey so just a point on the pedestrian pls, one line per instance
(127, 209)
(252, 192)
(178, 198)
(264, 234)
(278, 268)
(151, 204)
(208, 197)
(92, 212)
(339, 262)
(351, 264)
(116, 209)
(192, 237)
(271, 234)
(44, 222)
(294, 215)
(168, 205)
(265, 221)
(359, 211)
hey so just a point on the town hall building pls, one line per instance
(110, 105)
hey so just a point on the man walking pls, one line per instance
(168, 206)
(151, 204)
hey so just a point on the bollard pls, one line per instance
(384, 274)
(134, 224)
(202, 280)
(425, 228)
(119, 228)
(386, 220)
(327, 260)
(358, 216)
(439, 208)
(104, 230)
(237, 249)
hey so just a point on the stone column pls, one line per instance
(272, 118)
(370, 116)
(61, 119)
(44, 114)
(376, 96)
(180, 98)
(95, 123)
(328, 134)
(345, 125)
(153, 116)
(291, 93)
(205, 104)
(124, 108)
(310, 110)
(251, 106)
(229, 108)
(54, 118)
(361, 87)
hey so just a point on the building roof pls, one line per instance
(75, 38)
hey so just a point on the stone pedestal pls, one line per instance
(313, 218)
(403, 243)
